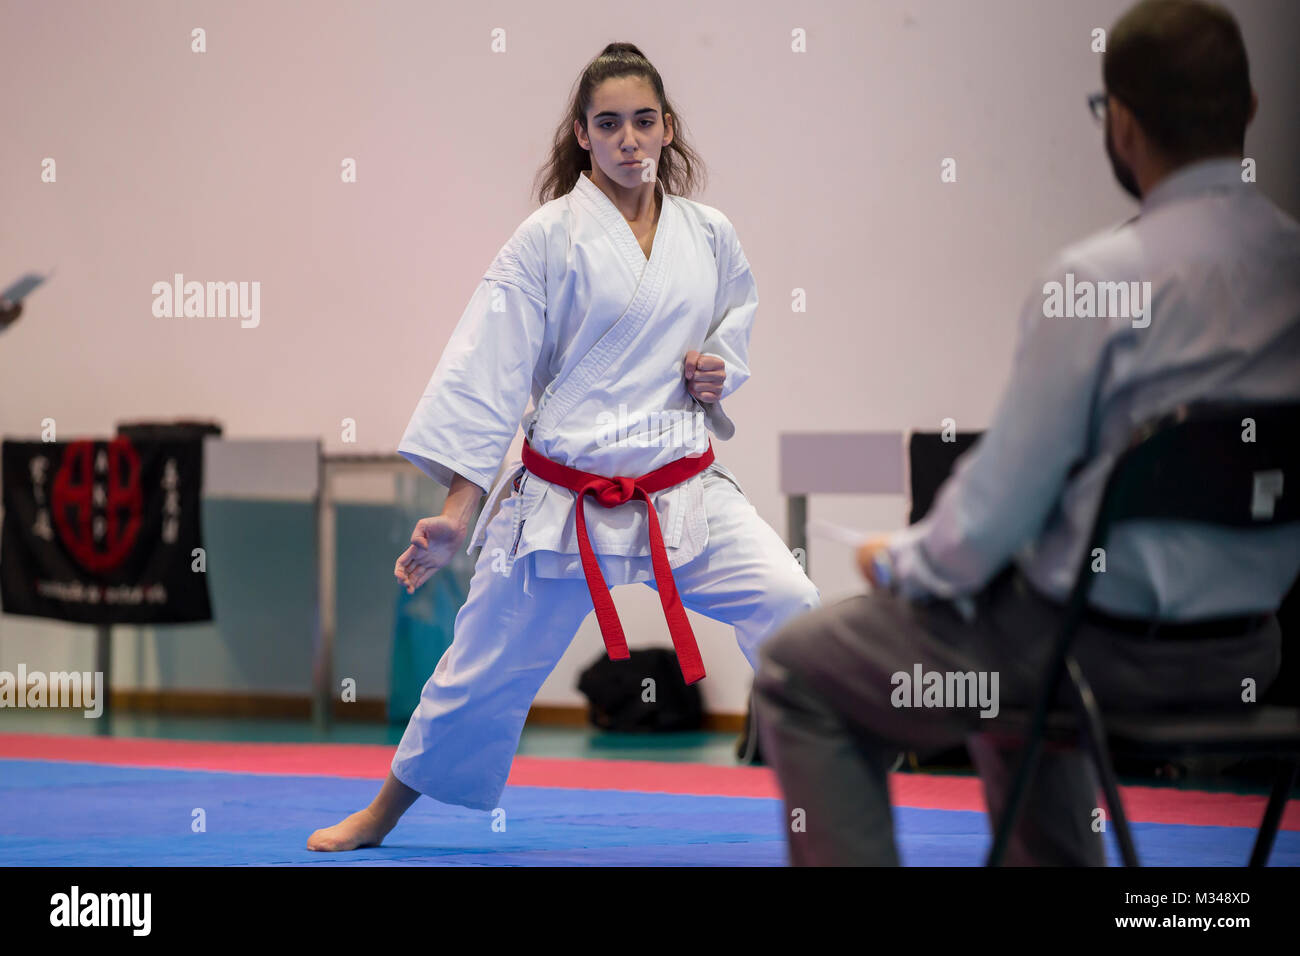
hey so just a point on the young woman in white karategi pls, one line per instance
(623, 310)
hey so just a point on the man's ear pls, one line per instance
(1125, 130)
(1122, 120)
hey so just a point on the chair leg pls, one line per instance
(1282, 784)
(1006, 825)
(1037, 733)
(1095, 733)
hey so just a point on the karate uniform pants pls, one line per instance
(826, 724)
(462, 737)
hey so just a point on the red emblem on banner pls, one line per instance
(98, 516)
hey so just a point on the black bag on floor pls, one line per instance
(644, 694)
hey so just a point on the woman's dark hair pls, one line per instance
(680, 167)
(1180, 66)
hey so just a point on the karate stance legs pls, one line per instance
(463, 735)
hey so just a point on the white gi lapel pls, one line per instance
(618, 228)
(561, 397)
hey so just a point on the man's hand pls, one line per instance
(433, 543)
(9, 312)
(867, 552)
(704, 376)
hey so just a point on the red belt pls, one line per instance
(609, 493)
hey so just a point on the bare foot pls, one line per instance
(360, 829)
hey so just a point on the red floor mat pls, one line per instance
(1144, 804)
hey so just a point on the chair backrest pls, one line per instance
(1215, 464)
(930, 460)
(1219, 464)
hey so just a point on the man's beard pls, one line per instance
(1123, 174)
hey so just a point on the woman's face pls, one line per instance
(624, 129)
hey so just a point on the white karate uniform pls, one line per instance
(573, 315)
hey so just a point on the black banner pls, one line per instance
(104, 532)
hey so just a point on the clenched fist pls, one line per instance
(704, 376)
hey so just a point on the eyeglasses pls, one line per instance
(1097, 106)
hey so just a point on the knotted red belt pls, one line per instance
(610, 492)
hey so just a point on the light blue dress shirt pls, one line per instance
(1223, 324)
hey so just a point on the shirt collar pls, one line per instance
(586, 185)
(1194, 178)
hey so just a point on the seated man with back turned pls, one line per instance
(978, 584)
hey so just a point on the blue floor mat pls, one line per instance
(71, 814)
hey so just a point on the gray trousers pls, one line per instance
(828, 705)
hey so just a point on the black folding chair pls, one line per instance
(1195, 465)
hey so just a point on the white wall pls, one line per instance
(225, 166)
